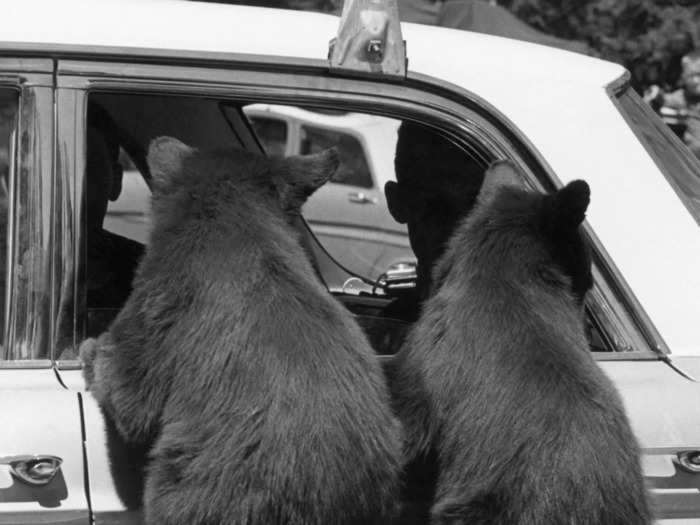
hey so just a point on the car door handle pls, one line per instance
(34, 470)
(360, 197)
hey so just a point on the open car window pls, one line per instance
(402, 187)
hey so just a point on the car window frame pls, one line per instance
(457, 113)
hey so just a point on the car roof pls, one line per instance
(179, 25)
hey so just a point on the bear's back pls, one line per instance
(527, 428)
(271, 385)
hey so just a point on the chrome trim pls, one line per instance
(668, 359)
(36, 470)
(27, 65)
(25, 364)
(647, 355)
(689, 460)
(70, 167)
(619, 85)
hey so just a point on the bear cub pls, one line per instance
(265, 402)
(496, 378)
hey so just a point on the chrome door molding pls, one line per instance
(71, 107)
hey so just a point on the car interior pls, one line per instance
(371, 292)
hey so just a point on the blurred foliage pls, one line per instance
(646, 36)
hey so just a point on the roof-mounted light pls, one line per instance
(369, 40)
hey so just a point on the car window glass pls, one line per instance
(272, 134)
(115, 215)
(8, 129)
(353, 169)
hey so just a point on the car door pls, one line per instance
(41, 443)
(639, 371)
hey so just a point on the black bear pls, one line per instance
(265, 400)
(496, 380)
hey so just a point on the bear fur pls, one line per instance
(496, 379)
(265, 400)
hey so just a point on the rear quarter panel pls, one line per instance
(664, 409)
(39, 416)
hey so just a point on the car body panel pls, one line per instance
(656, 401)
(41, 417)
(654, 394)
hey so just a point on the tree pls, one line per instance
(646, 36)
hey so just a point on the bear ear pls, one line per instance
(165, 159)
(303, 174)
(570, 204)
(500, 173)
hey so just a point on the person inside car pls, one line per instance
(109, 262)
(436, 185)
(111, 258)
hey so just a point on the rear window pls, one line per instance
(678, 164)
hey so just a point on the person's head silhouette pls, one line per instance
(102, 168)
(436, 185)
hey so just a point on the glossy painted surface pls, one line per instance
(112, 484)
(39, 416)
(660, 402)
(664, 410)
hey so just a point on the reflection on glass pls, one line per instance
(272, 134)
(8, 126)
(353, 169)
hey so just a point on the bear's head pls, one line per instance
(209, 183)
(527, 236)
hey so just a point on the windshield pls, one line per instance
(678, 164)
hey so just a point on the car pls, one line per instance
(348, 215)
(139, 70)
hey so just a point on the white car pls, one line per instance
(348, 215)
(189, 70)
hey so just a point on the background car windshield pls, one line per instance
(680, 167)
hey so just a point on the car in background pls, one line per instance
(190, 70)
(349, 214)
